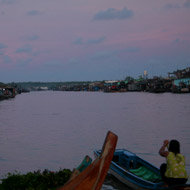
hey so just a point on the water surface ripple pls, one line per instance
(56, 130)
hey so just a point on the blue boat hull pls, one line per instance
(133, 171)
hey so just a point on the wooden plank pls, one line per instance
(93, 176)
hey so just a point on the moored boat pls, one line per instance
(93, 176)
(133, 171)
(137, 173)
(6, 92)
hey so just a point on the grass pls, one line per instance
(45, 180)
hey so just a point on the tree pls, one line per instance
(128, 78)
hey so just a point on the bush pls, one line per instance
(38, 180)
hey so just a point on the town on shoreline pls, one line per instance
(176, 82)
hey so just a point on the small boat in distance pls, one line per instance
(92, 177)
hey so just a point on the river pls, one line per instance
(56, 129)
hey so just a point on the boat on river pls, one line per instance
(93, 176)
(137, 173)
(133, 171)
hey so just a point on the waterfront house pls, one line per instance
(7, 91)
(181, 82)
(181, 85)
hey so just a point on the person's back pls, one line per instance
(175, 166)
(174, 172)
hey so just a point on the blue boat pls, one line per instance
(137, 173)
(133, 171)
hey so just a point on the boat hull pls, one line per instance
(126, 182)
(93, 176)
(123, 164)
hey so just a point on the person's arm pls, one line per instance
(162, 150)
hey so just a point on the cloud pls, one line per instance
(164, 30)
(172, 6)
(112, 14)
(73, 60)
(177, 6)
(132, 49)
(2, 46)
(32, 38)
(177, 40)
(102, 55)
(187, 4)
(24, 49)
(7, 1)
(79, 41)
(7, 59)
(33, 13)
(24, 62)
(53, 63)
(96, 41)
(113, 53)
(36, 53)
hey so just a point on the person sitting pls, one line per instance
(173, 172)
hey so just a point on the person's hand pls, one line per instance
(166, 142)
(162, 150)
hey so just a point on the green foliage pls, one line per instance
(38, 180)
(50, 85)
(128, 78)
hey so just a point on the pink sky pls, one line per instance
(67, 40)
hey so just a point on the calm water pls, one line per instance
(56, 130)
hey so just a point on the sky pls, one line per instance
(92, 40)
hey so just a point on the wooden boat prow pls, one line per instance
(93, 176)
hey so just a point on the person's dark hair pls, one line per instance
(174, 147)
